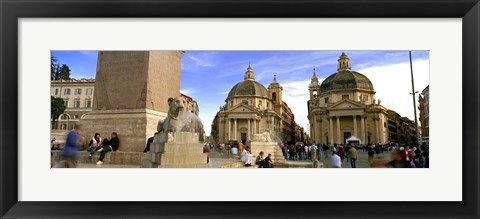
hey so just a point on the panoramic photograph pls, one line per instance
(240, 109)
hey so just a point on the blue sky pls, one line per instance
(207, 76)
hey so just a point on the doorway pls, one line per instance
(346, 135)
(243, 137)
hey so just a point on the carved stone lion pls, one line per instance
(169, 123)
(264, 137)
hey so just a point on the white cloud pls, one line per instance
(187, 91)
(296, 95)
(201, 61)
(224, 93)
(393, 85)
(90, 54)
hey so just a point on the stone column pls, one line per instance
(235, 129)
(254, 126)
(229, 129)
(330, 130)
(339, 141)
(355, 126)
(363, 129)
(248, 129)
(375, 120)
(320, 132)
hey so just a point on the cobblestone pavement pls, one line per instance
(218, 160)
(362, 161)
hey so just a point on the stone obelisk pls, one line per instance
(131, 89)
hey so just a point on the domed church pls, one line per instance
(250, 108)
(344, 105)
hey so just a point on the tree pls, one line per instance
(57, 108)
(58, 71)
(53, 67)
(64, 72)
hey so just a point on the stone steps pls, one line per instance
(117, 157)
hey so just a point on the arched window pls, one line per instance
(64, 116)
(274, 96)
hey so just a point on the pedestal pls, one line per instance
(176, 150)
(268, 148)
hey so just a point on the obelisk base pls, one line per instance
(133, 126)
(176, 150)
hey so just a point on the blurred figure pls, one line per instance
(313, 151)
(259, 160)
(397, 161)
(72, 145)
(418, 159)
(206, 150)
(371, 153)
(234, 150)
(407, 154)
(108, 145)
(336, 160)
(341, 153)
(353, 156)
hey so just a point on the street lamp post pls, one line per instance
(414, 103)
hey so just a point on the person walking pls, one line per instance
(341, 153)
(371, 153)
(353, 155)
(419, 159)
(72, 146)
(206, 150)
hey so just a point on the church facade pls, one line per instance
(250, 109)
(344, 105)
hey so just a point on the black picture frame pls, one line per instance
(11, 11)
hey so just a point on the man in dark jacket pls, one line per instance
(149, 141)
(109, 145)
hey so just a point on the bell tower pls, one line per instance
(343, 63)
(275, 91)
(314, 87)
(249, 74)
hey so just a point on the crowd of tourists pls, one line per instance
(379, 155)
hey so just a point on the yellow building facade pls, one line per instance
(250, 109)
(78, 99)
(344, 105)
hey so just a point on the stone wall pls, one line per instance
(133, 126)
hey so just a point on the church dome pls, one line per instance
(248, 87)
(345, 79)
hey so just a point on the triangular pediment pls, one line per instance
(242, 108)
(346, 104)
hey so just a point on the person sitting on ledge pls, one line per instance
(94, 145)
(149, 141)
(108, 145)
